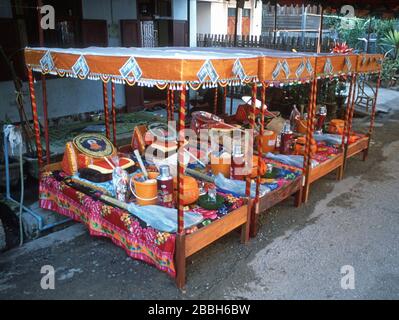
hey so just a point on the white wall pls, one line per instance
(212, 17)
(204, 17)
(256, 19)
(219, 18)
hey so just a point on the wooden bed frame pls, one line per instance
(361, 145)
(274, 197)
(333, 164)
(189, 244)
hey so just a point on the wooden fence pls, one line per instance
(281, 41)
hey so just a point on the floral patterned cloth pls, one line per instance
(139, 241)
(285, 175)
(133, 235)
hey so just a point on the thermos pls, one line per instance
(165, 187)
(237, 163)
(286, 139)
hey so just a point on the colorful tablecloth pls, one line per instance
(133, 235)
(139, 241)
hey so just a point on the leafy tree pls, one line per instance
(391, 42)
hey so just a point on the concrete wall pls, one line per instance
(219, 18)
(212, 17)
(71, 96)
(204, 17)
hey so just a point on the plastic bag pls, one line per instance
(238, 187)
(330, 139)
(162, 218)
(291, 160)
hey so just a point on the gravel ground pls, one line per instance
(298, 253)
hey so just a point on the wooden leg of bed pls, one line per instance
(245, 229)
(180, 261)
(305, 193)
(298, 198)
(340, 172)
(365, 154)
(253, 226)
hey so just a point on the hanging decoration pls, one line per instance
(239, 71)
(131, 67)
(80, 68)
(207, 71)
(328, 67)
(46, 62)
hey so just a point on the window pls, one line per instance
(231, 12)
(246, 12)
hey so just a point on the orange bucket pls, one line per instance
(268, 141)
(221, 165)
(145, 191)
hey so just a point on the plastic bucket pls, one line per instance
(221, 165)
(145, 192)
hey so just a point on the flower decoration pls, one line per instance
(341, 48)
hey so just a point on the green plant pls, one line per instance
(389, 70)
(391, 41)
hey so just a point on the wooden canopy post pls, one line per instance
(372, 117)
(167, 103)
(172, 105)
(215, 101)
(113, 112)
(106, 111)
(307, 161)
(345, 136)
(350, 116)
(44, 87)
(246, 227)
(255, 210)
(35, 117)
(45, 120)
(225, 99)
(231, 100)
(180, 235)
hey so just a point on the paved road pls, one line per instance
(297, 255)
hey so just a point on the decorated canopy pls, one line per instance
(196, 67)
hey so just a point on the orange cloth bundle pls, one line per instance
(243, 112)
(336, 126)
